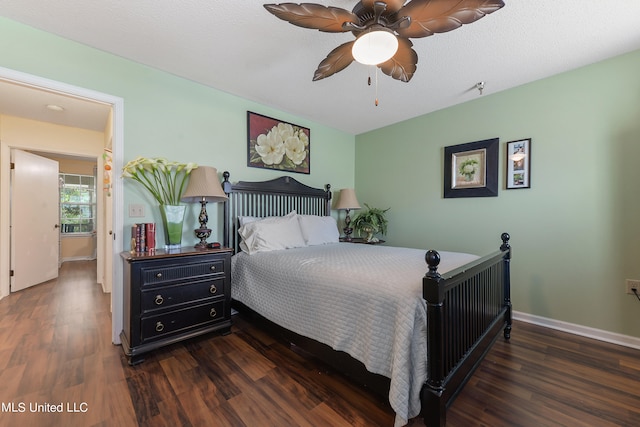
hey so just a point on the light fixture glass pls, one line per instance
(54, 107)
(375, 46)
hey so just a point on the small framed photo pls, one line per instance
(275, 144)
(471, 169)
(518, 156)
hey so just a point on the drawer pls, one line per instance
(163, 274)
(154, 327)
(172, 295)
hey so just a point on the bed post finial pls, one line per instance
(226, 185)
(505, 242)
(433, 260)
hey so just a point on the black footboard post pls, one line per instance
(507, 283)
(433, 404)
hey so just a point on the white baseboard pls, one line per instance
(585, 331)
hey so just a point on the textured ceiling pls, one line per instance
(238, 47)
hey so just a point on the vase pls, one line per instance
(369, 231)
(172, 220)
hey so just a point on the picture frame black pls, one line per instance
(278, 145)
(471, 169)
(518, 170)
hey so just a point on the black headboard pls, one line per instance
(276, 197)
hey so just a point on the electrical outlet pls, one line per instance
(136, 211)
(633, 284)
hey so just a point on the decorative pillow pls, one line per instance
(270, 234)
(319, 230)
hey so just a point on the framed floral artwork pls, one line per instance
(471, 169)
(518, 172)
(278, 145)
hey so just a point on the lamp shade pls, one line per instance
(204, 184)
(375, 46)
(347, 199)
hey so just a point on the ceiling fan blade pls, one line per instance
(404, 62)
(315, 16)
(439, 16)
(392, 5)
(337, 60)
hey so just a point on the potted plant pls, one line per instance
(371, 221)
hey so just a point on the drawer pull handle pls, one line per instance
(213, 289)
(213, 312)
(213, 268)
(159, 300)
(159, 276)
(159, 327)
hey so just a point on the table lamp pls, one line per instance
(347, 200)
(204, 186)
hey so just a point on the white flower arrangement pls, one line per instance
(165, 180)
(468, 168)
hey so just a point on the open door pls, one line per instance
(35, 219)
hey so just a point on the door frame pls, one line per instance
(117, 105)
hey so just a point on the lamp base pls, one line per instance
(347, 234)
(347, 227)
(202, 234)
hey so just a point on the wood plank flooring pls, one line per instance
(56, 352)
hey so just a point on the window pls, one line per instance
(77, 203)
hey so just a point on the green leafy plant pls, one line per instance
(165, 180)
(371, 221)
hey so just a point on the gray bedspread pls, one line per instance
(365, 300)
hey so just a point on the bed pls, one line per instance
(410, 324)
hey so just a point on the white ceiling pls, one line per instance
(27, 101)
(238, 47)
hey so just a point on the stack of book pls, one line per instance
(143, 237)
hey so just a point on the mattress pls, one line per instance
(365, 300)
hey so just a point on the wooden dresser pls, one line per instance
(170, 297)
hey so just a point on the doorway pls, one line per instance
(112, 239)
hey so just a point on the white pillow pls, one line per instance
(242, 220)
(271, 234)
(319, 230)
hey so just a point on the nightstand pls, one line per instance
(173, 296)
(361, 240)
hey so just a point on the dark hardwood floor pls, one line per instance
(56, 352)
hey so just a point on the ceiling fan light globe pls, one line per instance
(374, 47)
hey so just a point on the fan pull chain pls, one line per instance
(376, 87)
(369, 82)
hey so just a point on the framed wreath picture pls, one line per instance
(275, 144)
(471, 169)
(518, 164)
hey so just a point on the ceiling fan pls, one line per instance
(382, 29)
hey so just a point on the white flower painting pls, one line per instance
(274, 144)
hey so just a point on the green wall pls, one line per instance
(574, 233)
(171, 117)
